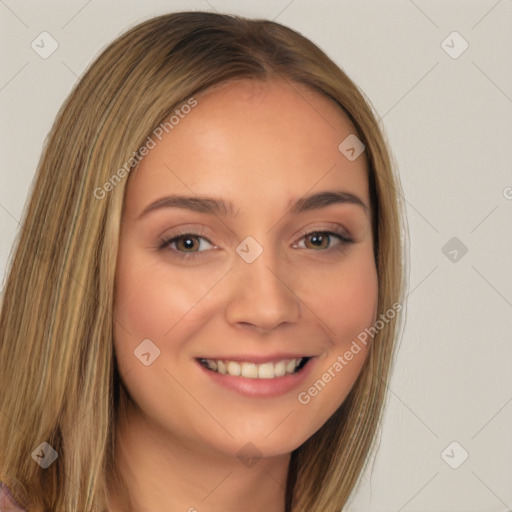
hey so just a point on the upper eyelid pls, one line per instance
(335, 229)
(328, 226)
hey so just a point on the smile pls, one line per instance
(268, 370)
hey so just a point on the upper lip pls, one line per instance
(256, 358)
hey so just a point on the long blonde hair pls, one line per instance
(59, 380)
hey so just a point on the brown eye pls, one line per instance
(317, 240)
(187, 243)
(322, 240)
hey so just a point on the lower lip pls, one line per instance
(264, 388)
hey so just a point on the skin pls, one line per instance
(262, 146)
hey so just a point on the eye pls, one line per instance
(321, 240)
(187, 243)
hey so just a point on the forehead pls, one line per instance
(253, 140)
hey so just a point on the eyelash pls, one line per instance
(166, 242)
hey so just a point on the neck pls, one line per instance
(164, 474)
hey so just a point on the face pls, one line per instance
(245, 271)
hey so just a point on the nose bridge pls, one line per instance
(262, 290)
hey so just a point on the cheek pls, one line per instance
(345, 299)
(346, 304)
(151, 301)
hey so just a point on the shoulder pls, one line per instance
(7, 502)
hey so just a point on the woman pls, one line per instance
(201, 310)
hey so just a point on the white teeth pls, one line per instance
(249, 370)
(233, 368)
(253, 370)
(266, 371)
(290, 367)
(280, 369)
(221, 367)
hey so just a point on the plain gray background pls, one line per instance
(447, 117)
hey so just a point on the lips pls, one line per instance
(254, 370)
(240, 374)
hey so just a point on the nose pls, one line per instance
(262, 295)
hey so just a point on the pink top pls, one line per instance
(7, 502)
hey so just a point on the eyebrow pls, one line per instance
(204, 204)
